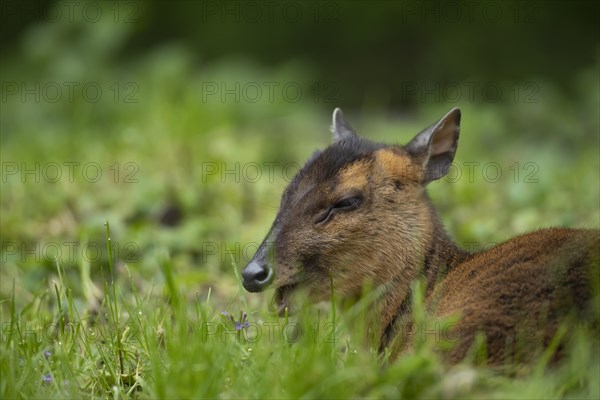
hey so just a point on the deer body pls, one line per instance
(359, 211)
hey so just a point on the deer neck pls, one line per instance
(438, 256)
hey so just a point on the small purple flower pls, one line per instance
(47, 354)
(47, 378)
(244, 321)
(239, 325)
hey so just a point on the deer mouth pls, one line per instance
(281, 299)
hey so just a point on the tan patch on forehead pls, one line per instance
(355, 175)
(397, 164)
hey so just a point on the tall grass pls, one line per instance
(168, 345)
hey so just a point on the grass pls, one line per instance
(115, 286)
(172, 345)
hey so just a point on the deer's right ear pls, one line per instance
(340, 128)
(435, 146)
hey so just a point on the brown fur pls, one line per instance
(519, 290)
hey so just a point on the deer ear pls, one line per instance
(340, 128)
(435, 146)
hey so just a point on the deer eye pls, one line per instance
(346, 204)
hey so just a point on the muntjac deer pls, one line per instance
(358, 213)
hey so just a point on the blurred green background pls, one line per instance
(181, 122)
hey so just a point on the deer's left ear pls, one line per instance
(435, 146)
(340, 128)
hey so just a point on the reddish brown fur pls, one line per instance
(525, 286)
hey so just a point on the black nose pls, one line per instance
(256, 277)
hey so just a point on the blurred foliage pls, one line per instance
(365, 48)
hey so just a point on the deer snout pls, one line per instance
(257, 276)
